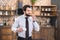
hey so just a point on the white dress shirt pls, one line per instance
(20, 22)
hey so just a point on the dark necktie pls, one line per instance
(27, 28)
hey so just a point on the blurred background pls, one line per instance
(46, 11)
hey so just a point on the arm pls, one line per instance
(36, 26)
(14, 26)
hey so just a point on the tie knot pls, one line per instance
(26, 17)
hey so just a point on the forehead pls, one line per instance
(28, 8)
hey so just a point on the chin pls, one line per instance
(28, 15)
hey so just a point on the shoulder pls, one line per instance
(19, 17)
(30, 18)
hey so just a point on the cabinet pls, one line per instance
(6, 33)
(45, 33)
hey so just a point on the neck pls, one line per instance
(25, 15)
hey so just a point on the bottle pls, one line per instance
(6, 13)
(0, 12)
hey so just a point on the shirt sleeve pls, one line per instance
(36, 26)
(14, 26)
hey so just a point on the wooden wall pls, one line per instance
(38, 2)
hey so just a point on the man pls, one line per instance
(25, 24)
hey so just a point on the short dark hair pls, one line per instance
(26, 6)
(20, 11)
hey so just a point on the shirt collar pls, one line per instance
(25, 17)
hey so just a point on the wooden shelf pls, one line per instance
(48, 11)
(6, 34)
(6, 15)
(46, 16)
(7, 10)
(49, 6)
(49, 16)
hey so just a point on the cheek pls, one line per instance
(27, 12)
(30, 11)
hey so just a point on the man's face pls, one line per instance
(28, 11)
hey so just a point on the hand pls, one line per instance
(19, 29)
(33, 17)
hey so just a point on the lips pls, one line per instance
(28, 15)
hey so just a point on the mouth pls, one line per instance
(28, 15)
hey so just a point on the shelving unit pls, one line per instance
(49, 10)
(7, 16)
(45, 10)
(6, 33)
(46, 16)
(7, 19)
